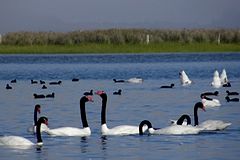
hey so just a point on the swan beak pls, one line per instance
(99, 92)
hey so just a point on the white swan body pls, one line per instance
(135, 80)
(211, 103)
(33, 129)
(223, 77)
(214, 125)
(121, 130)
(21, 142)
(216, 83)
(184, 78)
(72, 131)
(176, 130)
(69, 131)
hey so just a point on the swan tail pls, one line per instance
(182, 118)
(143, 123)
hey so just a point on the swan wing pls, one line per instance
(15, 141)
(214, 125)
(121, 130)
(176, 130)
(69, 131)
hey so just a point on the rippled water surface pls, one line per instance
(137, 102)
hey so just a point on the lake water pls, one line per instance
(137, 102)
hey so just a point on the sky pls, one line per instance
(71, 15)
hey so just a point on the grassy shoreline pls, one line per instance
(123, 48)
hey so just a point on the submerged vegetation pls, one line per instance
(122, 40)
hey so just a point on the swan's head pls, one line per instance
(43, 120)
(38, 108)
(102, 94)
(200, 105)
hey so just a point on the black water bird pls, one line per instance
(231, 99)
(55, 83)
(42, 82)
(210, 93)
(119, 81)
(171, 86)
(8, 86)
(33, 82)
(231, 93)
(44, 87)
(75, 80)
(52, 95)
(14, 81)
(119, 92)
(38, 96)
(228, 84)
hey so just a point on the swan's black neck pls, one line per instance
(83, 100)
(195, 115)
(182, 118)
(104, 108)
(35, 114)
(144, 122)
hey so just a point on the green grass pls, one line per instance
(125, 48)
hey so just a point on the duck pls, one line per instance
(210, 102)
(169, 130)
(21, 142)
(55, 83)
(208, 125)
(33, 82)
(42, 82)
(231, 93)
(216, 83)
(135, 80)
(73, 131)
(75, 80)
(8, 86)
(171, 86)
(32, 129)
(231, 99)
(44, 87)
(119, 92)
(118, 81)
(14, 81)
(90, 93)
(52, 95)
(228, 84)
(185, 81)
(38, 96)
(210, 93)
(120, 130)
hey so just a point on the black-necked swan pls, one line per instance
(21, 142)
(170, 130)
(223, 77)
(72, 131)
(185, 81)
(171, 86)
(216, 83)
(32, 129)
(118, 130)
(232, 93)
(208, 125)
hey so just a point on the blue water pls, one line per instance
(138, 102)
